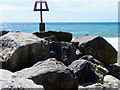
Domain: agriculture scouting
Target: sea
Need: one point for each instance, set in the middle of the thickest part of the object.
(108, 30)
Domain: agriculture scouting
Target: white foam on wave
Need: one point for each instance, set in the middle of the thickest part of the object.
(113, 42)
(9, 29)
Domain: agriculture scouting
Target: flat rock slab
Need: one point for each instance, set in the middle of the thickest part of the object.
(52, 74)
(61, 36)
(20, 50)
(98, 47)
(8, 81)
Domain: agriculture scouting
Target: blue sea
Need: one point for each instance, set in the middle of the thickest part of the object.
(77, 29)
(108, 30)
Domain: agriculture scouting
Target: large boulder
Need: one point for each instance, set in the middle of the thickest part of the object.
(83, 70)
(98, 47)
(63, 51)
(52, 74)
(8, 81)
(61, 36)
(21, 50)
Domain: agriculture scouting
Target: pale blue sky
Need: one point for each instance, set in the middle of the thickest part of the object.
(60, 11)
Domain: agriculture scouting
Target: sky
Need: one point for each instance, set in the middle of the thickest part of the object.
(60, 11)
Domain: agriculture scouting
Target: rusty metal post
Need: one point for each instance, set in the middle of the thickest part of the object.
(42, 27)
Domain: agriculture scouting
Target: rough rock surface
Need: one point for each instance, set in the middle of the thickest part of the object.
(98, 86)
(91, 85)
(20, 50)
(63, 51)
(78, 54)
(9, 81)
(111, 82)
(51, 38)
(61, 36)
(112, 68)
(101, 70)
(3, 33)
(91, 59)
(116, 74)
(98, 47)
(83, 71)
(52, 74)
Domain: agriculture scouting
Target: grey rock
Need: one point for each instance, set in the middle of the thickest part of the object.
(51, 38)
(96, 65)
(101, 70)
(98, 47)
(99, 86)
(116, 74)
(111, 82)
(78, 54)
(83, 70)
(87, 84)
(3, 33)
(113, 68)
(8, 81)
(92, 59)
(96, 86)
(21, 50)
(61, 36)
(63, 51)
(52, 74)
(91, 86)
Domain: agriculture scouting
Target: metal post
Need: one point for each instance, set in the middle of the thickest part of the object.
(41, 25)
(41, 13)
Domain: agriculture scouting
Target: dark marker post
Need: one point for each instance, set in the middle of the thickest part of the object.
(41, 25)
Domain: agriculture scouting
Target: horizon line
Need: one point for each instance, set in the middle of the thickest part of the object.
(63, 22)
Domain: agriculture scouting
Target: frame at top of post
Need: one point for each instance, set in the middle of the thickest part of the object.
(35, 7)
